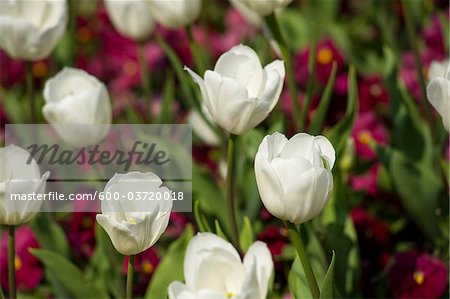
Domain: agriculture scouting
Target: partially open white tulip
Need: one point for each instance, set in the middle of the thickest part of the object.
(264, 7)
(240, 93)
(73, 100)
(294, 176)
(134, 225)
(131, 18)
(175, 13)
(437, 69)
(18, 178)
(213, 269)
(30, 29)
(438, 93)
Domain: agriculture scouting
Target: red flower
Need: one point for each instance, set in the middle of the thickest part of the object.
(417, 276)
(28, 269)
(367, 125)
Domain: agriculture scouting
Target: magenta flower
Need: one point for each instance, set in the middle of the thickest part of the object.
(415, 275)
(372, 94)
(368, 126)
(367, 182)
(29, 271)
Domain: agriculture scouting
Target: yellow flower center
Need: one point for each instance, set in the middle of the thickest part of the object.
(375, 90)
(419, 277)
(147, 267)
(130, 68)
(365, 137)
(324, 56)
(40, 69)
(131, 220)
(84, 35)
(230, 294)
(17, 262)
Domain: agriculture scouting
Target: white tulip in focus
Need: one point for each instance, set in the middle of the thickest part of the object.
(77, 105)
(131, 18)
(18, 178)
(133, 224)
(30, 29)
(294, 176)
(201, 127)
(175, 13)
(213, 269)
(438, 93)
(264, 7)
(240, 93)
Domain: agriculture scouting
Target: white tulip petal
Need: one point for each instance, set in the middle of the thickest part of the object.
(272, 145)
(205, 254)
(175, 13)
(326, 150)
(438, 93)
(258, 266)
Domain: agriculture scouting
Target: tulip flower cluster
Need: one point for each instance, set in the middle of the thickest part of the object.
(319, 159)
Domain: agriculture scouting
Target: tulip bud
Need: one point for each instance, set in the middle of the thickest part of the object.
(294, 176)
(73, 97)
(438, 93)
(132, 231)
(239, 93)
(30, 29)
(213, 269)
(19, 178)
(264, 7)
(131, 18)
(175, 13)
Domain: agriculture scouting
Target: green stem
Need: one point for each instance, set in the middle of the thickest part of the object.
(231, 163)
(11, 264)
(30, 92)
(310, 84)
(145, 78)
(196, 51)
(274, 28)
(412, 36)
(129, 291)
(72, 30)
(296, 239)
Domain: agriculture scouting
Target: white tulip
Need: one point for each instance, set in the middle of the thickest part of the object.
(251, 16)
(240, 93)
(175, 13)
(437, 69)
(438, 93)
(77, 105)
(30, 29)
(131, 18)
(294, 176)
(201, 127)
(19, 178)
(134, 224)
(213, 269)
(263, 7)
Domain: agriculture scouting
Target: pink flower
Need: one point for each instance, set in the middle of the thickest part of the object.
(367, 125)
(13, 71)
(372, 94)
(415, 275)
(28, 269)
(366, 182)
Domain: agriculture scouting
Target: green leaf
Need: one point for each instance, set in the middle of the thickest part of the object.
(49, 233)
(67, 275)
(200, 219)
(246, 236)
(219, 230)
(327, 289)
(171, 267)
(339, 134)
(319, 115)
(168, 95)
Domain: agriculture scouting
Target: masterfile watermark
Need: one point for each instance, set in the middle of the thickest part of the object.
(80, 174)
